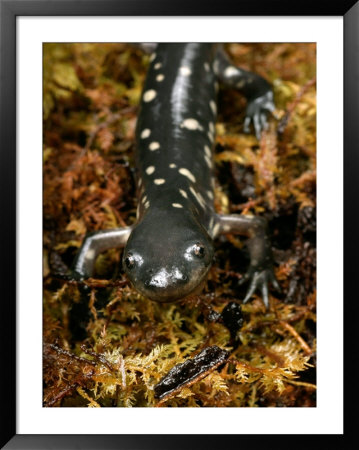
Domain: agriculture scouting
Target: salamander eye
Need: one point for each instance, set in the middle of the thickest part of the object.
(198, 250)
(130, 261)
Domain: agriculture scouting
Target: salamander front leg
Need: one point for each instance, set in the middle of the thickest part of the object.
(260, 271)
(256, 89)
(95, 243)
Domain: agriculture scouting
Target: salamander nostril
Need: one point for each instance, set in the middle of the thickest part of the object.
(184, 277)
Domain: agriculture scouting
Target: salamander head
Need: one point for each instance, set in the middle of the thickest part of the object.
(167, 260)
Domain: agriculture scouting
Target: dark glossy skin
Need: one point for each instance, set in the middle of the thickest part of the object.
(169, 251)
(191, 370)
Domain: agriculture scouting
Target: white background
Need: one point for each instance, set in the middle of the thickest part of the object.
(327, 416)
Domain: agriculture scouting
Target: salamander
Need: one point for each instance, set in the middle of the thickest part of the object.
(169, 251)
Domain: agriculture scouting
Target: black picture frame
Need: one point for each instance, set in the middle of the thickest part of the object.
(9, 10)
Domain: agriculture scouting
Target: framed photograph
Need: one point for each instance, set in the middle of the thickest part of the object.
(116, 118)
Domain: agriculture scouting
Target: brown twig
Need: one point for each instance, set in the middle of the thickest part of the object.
(296, 335)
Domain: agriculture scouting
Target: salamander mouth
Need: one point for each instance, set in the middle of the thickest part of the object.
(170, 286)
(171, 297)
